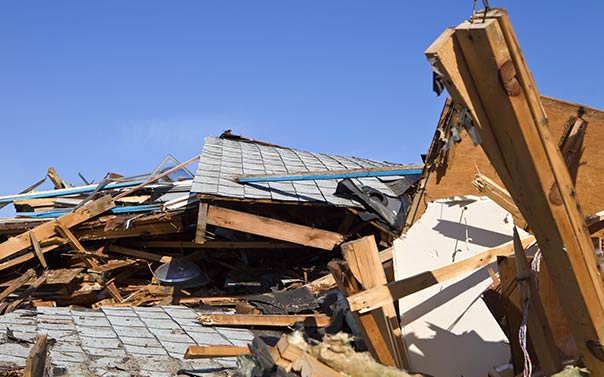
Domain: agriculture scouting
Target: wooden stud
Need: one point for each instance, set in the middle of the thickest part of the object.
(271, 320)
(202, 221)
(277, 229)
(208, 352)
(140, 254)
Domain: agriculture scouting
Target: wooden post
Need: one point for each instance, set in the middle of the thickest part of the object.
(537, 324)
(380, 327)
(485, 70)
(202, 221)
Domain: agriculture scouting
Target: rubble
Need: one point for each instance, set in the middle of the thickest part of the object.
(372, 268)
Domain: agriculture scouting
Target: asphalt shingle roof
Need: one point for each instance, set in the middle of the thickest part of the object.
(224, 160)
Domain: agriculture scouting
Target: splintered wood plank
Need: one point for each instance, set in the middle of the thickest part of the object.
(271, 228)
(375, 297)
(73, 240)
(364, 262)
(202, 221)
(17, 283)
(36, 361)
(214, 244)
(16, 244)
(499, 195)
(208, 352)
(140, 254)
(272, 320)
(520, 146)
(112, 265)
(37, 249)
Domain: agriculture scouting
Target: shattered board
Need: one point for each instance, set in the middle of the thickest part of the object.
(448, 329)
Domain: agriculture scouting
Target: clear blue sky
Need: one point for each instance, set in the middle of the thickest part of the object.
(98, 86)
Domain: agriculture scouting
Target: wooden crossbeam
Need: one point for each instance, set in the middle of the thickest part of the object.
(272, 228)
(272, 320)
(208, 352)
(37, 249)
(484, 69)
(375, 297)
(140, 254)
(36, 361)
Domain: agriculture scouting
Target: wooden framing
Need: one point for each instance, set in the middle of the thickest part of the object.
(276, 229)
(375, 297)
(208, 352)
(202, 220)
(36, 361)
(269, 320)
(379, 328)
(16, 244)
(484, 69)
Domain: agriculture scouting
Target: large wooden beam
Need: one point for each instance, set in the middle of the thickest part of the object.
(272, 320)
(380, 328)
(484, 68)
(271, 228)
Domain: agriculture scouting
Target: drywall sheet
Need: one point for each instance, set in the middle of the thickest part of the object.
(447, 327)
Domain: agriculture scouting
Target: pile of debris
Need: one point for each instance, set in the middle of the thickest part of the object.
(380, 268)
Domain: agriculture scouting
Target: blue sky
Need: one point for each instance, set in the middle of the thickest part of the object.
(99, 86)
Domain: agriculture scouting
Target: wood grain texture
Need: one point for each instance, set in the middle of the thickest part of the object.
(276, 229)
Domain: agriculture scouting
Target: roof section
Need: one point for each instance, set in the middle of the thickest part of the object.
(223, 160)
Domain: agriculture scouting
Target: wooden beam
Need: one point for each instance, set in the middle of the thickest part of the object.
(537, 323)
(373, 298)
(271, 228)
(506, 108)
(73, 240)
(16, 244)
(202, 221)
(214, 245)
(363, 260)
(56, 179)
(270, 320)
(499, 195)
(140, 254)
(36, 361)
(208, 352)
(17, 283)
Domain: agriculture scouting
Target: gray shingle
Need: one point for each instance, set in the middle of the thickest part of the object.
(222, 161)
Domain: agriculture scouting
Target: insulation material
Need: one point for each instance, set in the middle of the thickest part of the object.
(447, 327)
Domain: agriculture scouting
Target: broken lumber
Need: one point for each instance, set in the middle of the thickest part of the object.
(272, 228)
(36, 361)
(272, 320)
(484, 69)
(375, 297)
(16, 244)
(208, 352)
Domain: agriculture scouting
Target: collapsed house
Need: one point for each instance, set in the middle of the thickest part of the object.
(480, 261)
